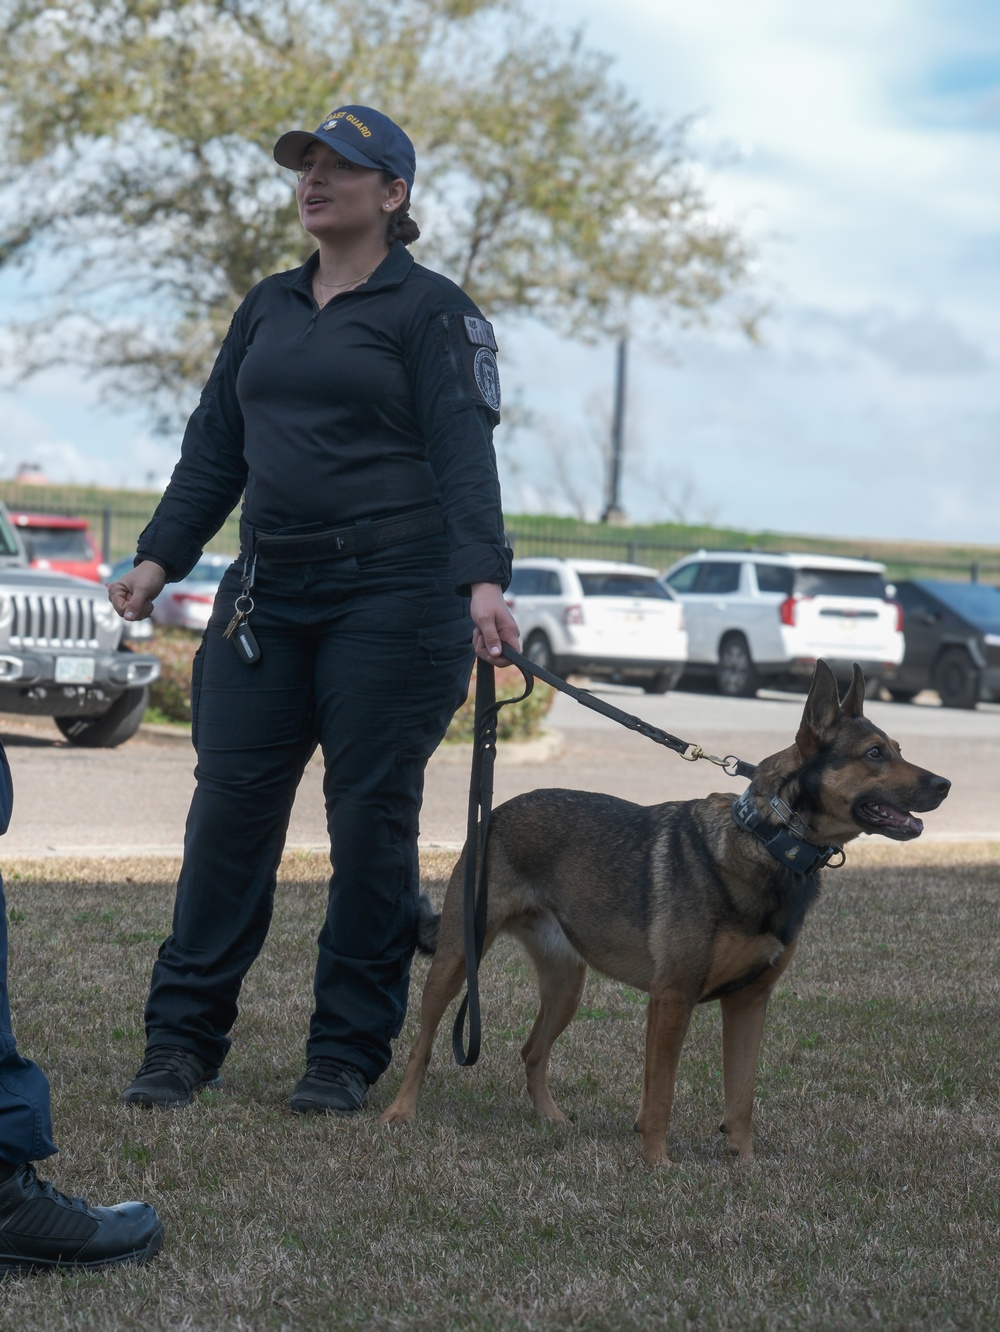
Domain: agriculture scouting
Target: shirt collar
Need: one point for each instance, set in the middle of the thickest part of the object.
(390, 272)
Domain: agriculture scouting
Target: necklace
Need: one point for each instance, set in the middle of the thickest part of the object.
(349, 283)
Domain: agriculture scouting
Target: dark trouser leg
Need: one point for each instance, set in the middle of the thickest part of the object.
(254, 732)
(388, 680)
(25, 1119)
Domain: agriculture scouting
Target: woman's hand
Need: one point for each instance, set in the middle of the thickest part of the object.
(134, 593)
(495, 625)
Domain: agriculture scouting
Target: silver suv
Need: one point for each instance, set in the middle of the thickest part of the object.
(600, 618)
(62, 655)
(755, 617)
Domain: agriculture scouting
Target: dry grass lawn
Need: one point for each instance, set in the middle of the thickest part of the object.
(874, 1199)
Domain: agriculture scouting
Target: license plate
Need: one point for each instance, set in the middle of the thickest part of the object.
(74, 670)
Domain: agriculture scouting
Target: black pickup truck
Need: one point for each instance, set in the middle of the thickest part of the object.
(61, 652)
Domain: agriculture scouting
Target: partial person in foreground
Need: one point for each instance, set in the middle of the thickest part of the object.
(352, 405)
(39, 1226)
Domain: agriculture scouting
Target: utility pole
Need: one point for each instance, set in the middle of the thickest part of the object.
(613, 512)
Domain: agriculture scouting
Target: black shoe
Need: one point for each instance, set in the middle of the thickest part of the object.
(41, 1227)
(169, 1076)
(329, 1088)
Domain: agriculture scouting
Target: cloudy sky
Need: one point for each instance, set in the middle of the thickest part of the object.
(859, 144)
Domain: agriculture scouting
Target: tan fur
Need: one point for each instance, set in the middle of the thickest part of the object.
(675, 899)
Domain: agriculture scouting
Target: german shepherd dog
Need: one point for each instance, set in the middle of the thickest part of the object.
(689, 900)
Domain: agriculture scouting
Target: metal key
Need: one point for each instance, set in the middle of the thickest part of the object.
(235, 623)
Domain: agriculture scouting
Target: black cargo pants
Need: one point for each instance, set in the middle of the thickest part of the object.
(367, 656)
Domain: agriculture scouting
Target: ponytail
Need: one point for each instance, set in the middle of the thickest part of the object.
(402, 226)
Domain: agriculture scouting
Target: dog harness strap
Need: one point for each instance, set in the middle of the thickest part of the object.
(475, 893)
(734, 767)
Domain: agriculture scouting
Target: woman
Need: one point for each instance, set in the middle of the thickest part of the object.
(352, 404)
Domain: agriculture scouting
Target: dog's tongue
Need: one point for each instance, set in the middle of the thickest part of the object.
(899, 818)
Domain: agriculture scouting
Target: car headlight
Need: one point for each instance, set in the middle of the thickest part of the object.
(105, 615)
(137, 631)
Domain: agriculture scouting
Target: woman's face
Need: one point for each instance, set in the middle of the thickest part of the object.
(339, 201)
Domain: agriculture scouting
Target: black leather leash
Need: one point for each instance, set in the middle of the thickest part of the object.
(475, 892)
(474, 895)
(731, 765)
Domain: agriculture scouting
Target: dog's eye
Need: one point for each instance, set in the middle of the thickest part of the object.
(875, 752)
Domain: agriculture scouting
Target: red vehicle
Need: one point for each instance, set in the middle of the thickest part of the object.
(63, 544)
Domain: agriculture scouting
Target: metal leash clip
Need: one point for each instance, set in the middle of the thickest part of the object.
(729, 764)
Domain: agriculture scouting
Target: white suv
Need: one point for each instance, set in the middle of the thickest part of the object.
(753, 617)
(600, 618)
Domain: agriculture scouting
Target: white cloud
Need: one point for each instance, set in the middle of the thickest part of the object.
(874, 157)
(56, 421)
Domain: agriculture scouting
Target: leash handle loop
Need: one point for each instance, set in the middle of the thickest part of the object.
(475, 894)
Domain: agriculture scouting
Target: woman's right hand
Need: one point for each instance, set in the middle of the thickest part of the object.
(494, 623)
(133, 594)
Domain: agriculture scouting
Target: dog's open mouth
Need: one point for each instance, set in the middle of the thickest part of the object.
(889, 821)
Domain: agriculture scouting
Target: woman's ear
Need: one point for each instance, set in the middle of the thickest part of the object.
(395, 196)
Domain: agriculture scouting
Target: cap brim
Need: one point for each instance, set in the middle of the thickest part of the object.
(290, 147)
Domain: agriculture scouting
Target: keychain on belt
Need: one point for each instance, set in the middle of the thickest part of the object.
(238, 629)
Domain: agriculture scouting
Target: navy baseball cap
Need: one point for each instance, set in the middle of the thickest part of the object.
(359, 133)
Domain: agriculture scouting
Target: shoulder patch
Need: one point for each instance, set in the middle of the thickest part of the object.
(479, 331)
(487, 376)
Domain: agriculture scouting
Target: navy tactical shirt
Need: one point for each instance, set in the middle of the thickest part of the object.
(383, 400)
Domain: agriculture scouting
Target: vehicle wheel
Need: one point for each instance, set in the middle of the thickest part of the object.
(539, 650)
(111, 728)
(658, 684)
(956, 679)
(873, 689)
(736, 675)
(902, 695)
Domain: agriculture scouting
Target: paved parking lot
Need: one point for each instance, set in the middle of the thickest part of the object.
(134, 799)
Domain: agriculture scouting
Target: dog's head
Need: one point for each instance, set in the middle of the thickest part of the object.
(844, 775)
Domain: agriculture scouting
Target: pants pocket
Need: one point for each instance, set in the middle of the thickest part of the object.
(448, 643)
(197, 666)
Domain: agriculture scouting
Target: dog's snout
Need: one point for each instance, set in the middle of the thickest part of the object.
(940, 786)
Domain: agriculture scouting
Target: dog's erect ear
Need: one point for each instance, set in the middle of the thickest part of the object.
(821, 712)
(854, 699)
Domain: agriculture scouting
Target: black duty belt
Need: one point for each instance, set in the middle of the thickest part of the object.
(365, 535)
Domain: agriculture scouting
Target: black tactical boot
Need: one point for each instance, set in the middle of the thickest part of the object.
(169, 1077)
(41, 1227)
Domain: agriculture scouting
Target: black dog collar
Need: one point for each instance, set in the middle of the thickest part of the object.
(790, 845)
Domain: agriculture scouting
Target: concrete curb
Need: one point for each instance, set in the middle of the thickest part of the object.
(161, 731)
(540, 749)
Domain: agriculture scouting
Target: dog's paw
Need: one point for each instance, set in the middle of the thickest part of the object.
(397, 1116)
(658, 1159)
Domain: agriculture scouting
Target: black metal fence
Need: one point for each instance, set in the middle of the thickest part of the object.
(117, 518)
(638, 547)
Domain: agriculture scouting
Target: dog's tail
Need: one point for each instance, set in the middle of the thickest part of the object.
(428, 922)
